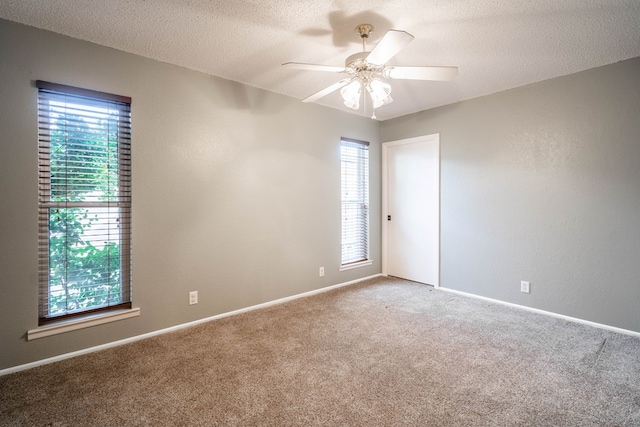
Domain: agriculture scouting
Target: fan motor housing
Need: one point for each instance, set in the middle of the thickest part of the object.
(355, 60)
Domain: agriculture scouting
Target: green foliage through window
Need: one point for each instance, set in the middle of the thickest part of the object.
(85, 201)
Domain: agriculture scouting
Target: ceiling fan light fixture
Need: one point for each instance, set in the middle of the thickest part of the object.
(366, 68)
(351, 94)
(380, 92)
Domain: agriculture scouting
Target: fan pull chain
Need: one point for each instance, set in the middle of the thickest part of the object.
(364, 101)
(373, 110)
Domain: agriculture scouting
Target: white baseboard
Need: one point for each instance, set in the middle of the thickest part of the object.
(547, 313)
(291, 298)
(175, 328)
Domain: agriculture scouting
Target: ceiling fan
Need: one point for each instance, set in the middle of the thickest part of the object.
(366, 69)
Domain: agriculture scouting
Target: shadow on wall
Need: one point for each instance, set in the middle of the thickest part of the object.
(235, 96)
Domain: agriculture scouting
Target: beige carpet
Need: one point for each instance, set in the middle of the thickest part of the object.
(384, 352)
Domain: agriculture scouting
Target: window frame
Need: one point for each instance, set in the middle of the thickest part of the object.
(120, 202)
(362, 224)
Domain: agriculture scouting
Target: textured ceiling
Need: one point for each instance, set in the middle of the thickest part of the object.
(497, 44)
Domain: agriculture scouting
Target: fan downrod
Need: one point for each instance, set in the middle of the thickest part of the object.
(363, 30)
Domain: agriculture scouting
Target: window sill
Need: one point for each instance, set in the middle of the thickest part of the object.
(85, 322)
(355, 265)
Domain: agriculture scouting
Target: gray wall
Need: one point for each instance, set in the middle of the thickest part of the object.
(542, 183)
(236, 190)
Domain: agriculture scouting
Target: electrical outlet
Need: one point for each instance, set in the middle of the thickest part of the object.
(193, 297)
(321, 272)
(524, 287)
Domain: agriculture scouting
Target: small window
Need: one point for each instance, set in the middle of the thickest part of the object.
(354, 157)
(84, 201)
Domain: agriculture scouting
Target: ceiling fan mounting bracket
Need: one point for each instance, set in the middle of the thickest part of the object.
(363, 30)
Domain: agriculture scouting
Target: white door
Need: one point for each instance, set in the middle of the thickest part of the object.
(411, 223)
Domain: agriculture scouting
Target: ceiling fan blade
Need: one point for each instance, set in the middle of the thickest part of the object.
(327, 91)
(389, 46)
(314, 67)
(421, 73)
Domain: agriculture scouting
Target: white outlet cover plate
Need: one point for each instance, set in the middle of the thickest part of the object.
(524, 287)
(193, 297)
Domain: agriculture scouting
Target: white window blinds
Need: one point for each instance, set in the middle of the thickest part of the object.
(84, 201)
(354, 157)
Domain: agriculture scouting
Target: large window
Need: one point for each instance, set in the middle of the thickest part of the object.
(354, 157)
(84, 201)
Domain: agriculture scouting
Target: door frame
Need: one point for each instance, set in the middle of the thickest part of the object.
(435, 137)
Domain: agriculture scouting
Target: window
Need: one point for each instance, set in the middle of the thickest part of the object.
(84, 237)
(354, 157)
